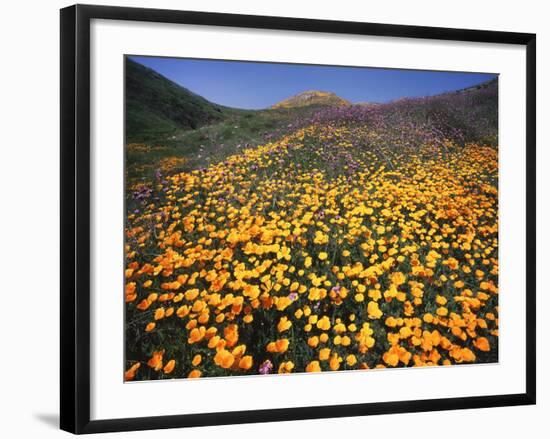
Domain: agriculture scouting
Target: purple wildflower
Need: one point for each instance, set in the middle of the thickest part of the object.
(266, 367)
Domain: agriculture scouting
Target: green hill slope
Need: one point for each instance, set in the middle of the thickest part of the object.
(156, 106)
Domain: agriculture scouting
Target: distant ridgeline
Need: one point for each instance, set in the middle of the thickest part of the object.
(312, 97)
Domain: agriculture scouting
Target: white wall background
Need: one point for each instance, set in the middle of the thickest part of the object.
(29, 187)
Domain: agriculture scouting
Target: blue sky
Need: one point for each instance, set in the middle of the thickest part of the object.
(254, 85)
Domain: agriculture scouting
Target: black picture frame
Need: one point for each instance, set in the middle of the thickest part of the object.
(75, 217)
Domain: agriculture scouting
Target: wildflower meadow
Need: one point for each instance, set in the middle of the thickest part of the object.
(348, 237)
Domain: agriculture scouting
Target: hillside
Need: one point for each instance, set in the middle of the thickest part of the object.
(312, 97)
(461, 116)
(156, 106)
(467, 115)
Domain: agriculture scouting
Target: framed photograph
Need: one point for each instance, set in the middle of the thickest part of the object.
(272, 218)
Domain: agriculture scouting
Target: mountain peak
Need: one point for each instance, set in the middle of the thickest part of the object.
(312, 97)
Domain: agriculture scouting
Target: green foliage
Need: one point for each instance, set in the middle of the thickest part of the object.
(157, 107)
(209, 143)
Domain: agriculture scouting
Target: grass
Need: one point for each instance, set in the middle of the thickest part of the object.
(207, 144)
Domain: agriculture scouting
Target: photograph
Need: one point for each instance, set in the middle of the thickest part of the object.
(271, 220)
(290, 218)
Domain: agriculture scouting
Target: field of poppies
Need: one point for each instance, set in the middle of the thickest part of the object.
(360, 237)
